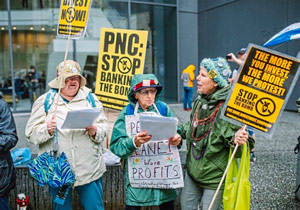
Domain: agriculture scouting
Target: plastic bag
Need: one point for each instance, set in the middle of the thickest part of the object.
(110, 158)
(237, 186)
(21, 156)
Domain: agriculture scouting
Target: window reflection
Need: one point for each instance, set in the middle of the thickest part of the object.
(160, 22)
(35, 43)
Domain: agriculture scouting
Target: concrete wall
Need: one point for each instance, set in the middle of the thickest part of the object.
(228, 25)
(188, 39)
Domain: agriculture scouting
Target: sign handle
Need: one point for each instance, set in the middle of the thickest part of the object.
(67, 49)
(223, 177)
(59, 89)
(225, 172)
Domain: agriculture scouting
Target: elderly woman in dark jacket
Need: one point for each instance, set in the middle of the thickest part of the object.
(8, 139)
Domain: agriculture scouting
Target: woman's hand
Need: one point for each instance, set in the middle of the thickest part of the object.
(51, 126)
(141, 138)
(91, 131)
(241, 136)
(175, 140)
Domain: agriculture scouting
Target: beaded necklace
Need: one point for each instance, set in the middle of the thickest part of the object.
(199, 122)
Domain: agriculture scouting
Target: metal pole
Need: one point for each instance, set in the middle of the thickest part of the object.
(11, 57)
(178, 51)
(129, 13)
(74, 50)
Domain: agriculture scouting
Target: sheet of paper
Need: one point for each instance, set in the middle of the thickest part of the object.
(161, 128)
(79, 119)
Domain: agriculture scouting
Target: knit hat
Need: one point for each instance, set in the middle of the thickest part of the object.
(218, 70)
(72, 68)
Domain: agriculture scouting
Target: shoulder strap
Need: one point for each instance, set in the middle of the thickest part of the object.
(91, 99)
(129, 109)
(161, 108)
(50, 99)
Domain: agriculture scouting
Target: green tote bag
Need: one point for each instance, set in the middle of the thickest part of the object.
(237, 186)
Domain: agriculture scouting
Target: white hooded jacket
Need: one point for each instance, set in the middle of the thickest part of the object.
(83, 153)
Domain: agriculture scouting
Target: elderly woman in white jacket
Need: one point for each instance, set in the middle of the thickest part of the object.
(83, 147)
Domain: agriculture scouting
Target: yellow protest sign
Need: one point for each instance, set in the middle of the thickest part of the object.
(265, 82)
(121, 56)
(73, 18)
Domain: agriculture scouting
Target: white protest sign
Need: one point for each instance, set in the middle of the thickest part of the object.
(132, 124)
(158, 126)
(156, 164)
(79, 119)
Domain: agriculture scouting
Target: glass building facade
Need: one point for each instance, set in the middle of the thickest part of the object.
(180, 33)
(35, 43)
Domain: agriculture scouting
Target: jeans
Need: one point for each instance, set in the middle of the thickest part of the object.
(90, 196)
(192, 195)
(4, 202)
(34, 93)
(164, 206)
(187, 97)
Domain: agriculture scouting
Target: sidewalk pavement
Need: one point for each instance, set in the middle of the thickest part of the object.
(272, 175)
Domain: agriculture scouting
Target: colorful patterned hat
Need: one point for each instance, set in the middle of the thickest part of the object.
(65, 70)
(218, 70)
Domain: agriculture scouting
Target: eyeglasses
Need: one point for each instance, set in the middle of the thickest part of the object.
(76, 78)
(146, 92)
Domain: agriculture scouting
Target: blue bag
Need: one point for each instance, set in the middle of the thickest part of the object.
(21, 156)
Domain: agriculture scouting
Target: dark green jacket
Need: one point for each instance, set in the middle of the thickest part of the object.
(122, 145)
(208, 170)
